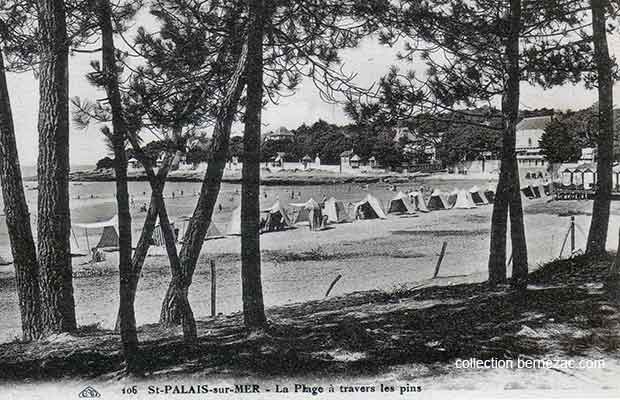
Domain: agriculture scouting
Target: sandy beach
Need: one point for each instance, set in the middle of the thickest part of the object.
(298, 264)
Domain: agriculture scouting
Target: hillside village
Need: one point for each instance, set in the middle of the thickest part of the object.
(324, 147)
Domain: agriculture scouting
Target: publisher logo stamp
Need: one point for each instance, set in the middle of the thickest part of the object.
(89, 392)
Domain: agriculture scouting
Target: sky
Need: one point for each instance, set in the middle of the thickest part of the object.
(369, 61)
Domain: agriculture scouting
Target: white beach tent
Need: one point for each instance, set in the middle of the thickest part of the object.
(400, 204)
(277, 210)
(369, 208)
(452, 197)
(417, 200)
(234, 225)
(213, 231)
(437, 201)
(335, 210)
(109, 235)
(478, 196)
(490, 193)
(464, 200)
(310, 212)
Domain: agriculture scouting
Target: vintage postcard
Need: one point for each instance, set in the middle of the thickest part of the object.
(274, 199)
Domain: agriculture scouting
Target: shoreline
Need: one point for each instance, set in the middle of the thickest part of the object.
(280, 178)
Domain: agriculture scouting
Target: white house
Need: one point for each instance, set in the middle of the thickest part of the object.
(532, 163)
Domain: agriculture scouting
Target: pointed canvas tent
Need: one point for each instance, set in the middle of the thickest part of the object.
(490, 194)
(477, 195)
(234, 225)
(527, 192)
(310, 212)
(417, 200)
(158, 235)
(452, 197)
(276, 217)
(438, 201)
(109, 236)
(213, 232)
(335, 210)
(464, 200)
(400, 204)
(108, 239)
(369, 208)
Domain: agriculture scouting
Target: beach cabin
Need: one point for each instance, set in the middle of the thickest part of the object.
(349, 160)
(372, 162)
(306, 161)
(616, 177)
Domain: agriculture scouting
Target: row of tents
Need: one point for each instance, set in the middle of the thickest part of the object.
(537, 191)
(460, 199)
(317, 216)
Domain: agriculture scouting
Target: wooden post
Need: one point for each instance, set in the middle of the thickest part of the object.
(213, 288)
(87, 243)
(572, 234)
(441, 255)
(332, 285)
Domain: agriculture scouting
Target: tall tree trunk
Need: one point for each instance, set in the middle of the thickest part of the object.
(597, 236)
(511, 112)
(18, 219)
(54, 220)
(127, 314)
(172, 311)
(157, 183)
(253, 307)
(499, 219)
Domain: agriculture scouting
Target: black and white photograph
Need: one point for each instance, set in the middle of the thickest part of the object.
(330, 199)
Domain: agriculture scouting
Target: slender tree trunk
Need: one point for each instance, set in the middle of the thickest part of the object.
(253, 308)
(499, 220)
(172, 311)
(157, 183)
(127, 314)
(54, 221)
(18, 219)
(511, 111)
(597, 236)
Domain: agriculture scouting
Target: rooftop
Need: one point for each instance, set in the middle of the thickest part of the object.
(534, 123)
